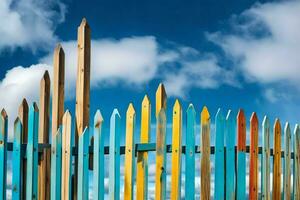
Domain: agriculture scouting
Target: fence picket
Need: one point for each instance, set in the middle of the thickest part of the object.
(142, 157)
(230, 156)
(241, 156)
(98, 157)
(287, 162)
(160, 180)
(56, 151)
(83, 168)
(296, 175)
(176, 152)
(114, 156)
(129, 153)
(190, 153)
(205, 151)
(66, 163)
(219, 156)
(32, 153)
(277, 162)
(17, 162)
(253, 171)
(3, 154)
(265, 169)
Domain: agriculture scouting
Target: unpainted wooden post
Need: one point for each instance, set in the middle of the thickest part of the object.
(265, 169)
(44, 165)
(142, 157)
(219, 156)
(23, 115)
(129, 154)
(3, 154)
(176, 151)
(276, 195)
(205, 154)
(241, 155)
(253, 171)
(82, 108)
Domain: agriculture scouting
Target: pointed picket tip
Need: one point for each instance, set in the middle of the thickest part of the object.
(204, 115)
(34, 107)
(277, 124)
(297, 129)
(230, 115)
(24, 105)
(219, 115)
(84, 23)
(161, 90)
(17, 120)
(3, 113)
(146, 101)
(177, 105)
(241, 115)
(115, 113)
(287, 127)
(46, 78)
(67, 114)
(191, 109)
(85, 131)
(98, 119)
(254, 118)
(266, 121)
(130, 110)
(59, 49)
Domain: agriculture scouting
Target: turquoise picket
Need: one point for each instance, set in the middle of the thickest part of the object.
(190, 153)
(3, 154)
(56, 153)
(219, 156)
(230, 135)
(83, 165)
(98, 158)
(296, 175)
(114, 156)
(32, 153)
(17, 158)
(265, 167)
(287, 163)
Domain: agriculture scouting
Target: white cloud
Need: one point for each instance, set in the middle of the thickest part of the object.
(266, 44)
(29, 23)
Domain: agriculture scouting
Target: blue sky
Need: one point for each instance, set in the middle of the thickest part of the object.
(224, 54)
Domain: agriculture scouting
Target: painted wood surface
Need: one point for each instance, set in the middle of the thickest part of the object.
(265, 169)
(23, 115)
(114, 156)
(287, 163)
(32, 153)
(176, 151)
(3, 154)
(296, 176)
(83, 168)
(241, 156)
(17, 161)
(98, 169)
(253, 170)
(230, 155)
(66, 163)
(219, 156)
(44, 164)
(56, 154)
(160, 176)
(205, 154)
(142, 157)
(129, 153)
(190, 153)
(276, 195)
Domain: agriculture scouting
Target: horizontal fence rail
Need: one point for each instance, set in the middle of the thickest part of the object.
(56, 163)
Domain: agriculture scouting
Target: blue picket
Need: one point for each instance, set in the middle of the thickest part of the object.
(3, 154)
(114, 156)
(265, 167)
(56, 153)
(230, 136)
(32, 153)
(98, 158)
(190, 153)
(219, 156)
(83, 165)
(17, 160)
(296, 175)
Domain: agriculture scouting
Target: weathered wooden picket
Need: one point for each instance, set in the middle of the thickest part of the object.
(60, 169)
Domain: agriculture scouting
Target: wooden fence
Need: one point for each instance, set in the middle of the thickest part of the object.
(60, 169)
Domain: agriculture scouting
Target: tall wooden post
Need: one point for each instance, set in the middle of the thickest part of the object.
(23, 115)
(44, 165)
(58, 88)
(82, 109)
